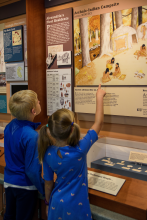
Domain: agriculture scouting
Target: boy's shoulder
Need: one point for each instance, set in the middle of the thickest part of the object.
(29, 132)
(26, 128)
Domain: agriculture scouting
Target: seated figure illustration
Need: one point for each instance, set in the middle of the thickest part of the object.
(117, 71)
(142, 52)
(109, 63)
(106, 77)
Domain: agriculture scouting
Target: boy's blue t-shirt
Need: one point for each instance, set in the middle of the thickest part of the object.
(21, 155)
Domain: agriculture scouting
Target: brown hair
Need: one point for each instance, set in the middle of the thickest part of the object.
(61, 129)
(21, 104)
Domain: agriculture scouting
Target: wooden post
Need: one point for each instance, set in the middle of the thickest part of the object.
(35, 14)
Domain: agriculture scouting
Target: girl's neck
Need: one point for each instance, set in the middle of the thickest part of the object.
(61, 143)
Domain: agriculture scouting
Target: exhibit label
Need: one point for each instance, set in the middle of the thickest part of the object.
(105, 183)
(58, 90)
(131, 101)
(138, 157)
(101, 7)
(58, 36)
(15, 71)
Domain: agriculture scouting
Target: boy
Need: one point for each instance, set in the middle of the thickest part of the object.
(22, 175)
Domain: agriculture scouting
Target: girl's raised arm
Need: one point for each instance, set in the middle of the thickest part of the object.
(99, 116)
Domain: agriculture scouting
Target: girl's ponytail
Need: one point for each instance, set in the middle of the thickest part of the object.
(74, 136)
(43, 142)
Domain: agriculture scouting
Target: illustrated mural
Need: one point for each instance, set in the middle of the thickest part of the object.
(111, 48)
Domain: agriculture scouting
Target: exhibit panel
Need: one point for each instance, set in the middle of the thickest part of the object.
(13, 44)
(110, 49)
(11, 49)
(84, 59)
(59, 60)
(110, 36)
(131, 102)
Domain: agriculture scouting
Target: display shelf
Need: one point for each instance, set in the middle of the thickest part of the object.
(129, 169)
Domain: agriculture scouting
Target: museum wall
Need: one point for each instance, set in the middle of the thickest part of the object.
(122, 127)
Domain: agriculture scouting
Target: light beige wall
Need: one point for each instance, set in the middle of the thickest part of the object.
(71, 5)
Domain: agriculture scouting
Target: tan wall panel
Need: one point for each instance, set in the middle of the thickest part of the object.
(72, 5)
(14, 19)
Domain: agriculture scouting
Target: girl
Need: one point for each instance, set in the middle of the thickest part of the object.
(62, 152)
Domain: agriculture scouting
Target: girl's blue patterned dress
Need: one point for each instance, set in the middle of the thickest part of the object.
(69, 199)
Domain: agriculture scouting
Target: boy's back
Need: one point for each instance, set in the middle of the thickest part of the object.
(22, 175)
(20, 142)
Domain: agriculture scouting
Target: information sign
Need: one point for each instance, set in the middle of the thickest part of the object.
(13, 47)
(138, 157)
(58, 90)
(15, 71)
(104, 183)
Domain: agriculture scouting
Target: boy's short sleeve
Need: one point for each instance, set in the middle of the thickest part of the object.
(48, 173)
(90, 138)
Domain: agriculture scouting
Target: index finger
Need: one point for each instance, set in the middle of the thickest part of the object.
(99, 86)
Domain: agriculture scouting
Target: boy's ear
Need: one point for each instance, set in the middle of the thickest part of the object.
(33, 111)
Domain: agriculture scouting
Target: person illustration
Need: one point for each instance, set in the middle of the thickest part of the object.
(61, 151)
(144, 31)
(117, 71)
(109, 63)
(106, 77)
(50, 59)
(142, 52)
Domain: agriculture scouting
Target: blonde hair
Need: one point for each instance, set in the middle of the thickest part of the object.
(21, 104)
(61, 128)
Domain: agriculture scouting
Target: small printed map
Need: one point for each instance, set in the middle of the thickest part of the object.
(16, 38)
(19, 69)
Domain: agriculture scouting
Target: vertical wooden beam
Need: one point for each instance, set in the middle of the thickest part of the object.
(35, 14)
